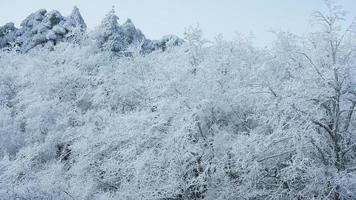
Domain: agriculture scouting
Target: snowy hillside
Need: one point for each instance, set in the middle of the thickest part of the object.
(109, 114)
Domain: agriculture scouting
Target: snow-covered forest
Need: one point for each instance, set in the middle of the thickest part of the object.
(110, 114)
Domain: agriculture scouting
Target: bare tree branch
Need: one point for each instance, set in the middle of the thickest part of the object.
(274, 156)
(348, 149)
(313, 64)
(349, 116)
(322, 155)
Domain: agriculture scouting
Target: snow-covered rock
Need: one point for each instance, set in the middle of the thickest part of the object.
(75, 19)
(60, 30)
(169, 41)
(132, 34)
(7, 34)
(40, 28)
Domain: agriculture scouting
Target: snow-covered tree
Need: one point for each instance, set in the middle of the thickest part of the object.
(185, 121)
(110, 36)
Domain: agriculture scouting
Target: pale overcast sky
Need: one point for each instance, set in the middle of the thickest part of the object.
(160, 17)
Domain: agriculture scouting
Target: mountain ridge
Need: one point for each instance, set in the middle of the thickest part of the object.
(47, 28)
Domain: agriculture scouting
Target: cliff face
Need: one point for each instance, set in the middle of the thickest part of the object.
(46, 29)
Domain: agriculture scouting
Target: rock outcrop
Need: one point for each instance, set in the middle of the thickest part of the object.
(7, 35)
(41, 28)
(46, 29)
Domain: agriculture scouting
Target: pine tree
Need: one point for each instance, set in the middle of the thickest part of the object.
(111, 37)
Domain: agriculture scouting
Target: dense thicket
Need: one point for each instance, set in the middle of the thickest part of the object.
(204, 120)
